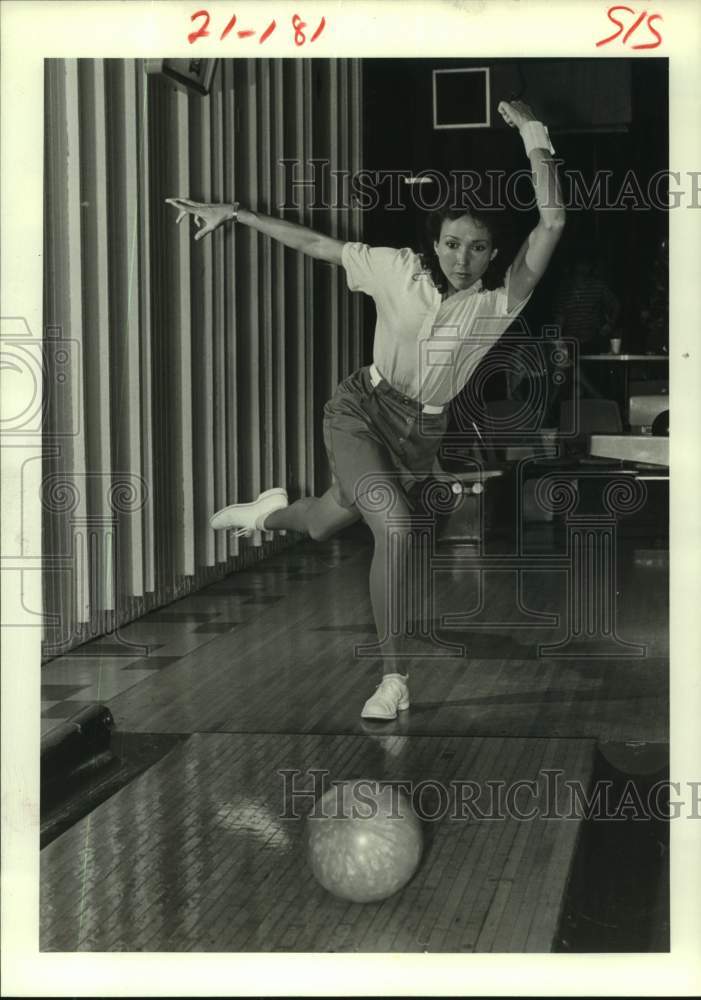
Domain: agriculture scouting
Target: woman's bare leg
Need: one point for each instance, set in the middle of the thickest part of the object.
(389, 579)
(319, 517)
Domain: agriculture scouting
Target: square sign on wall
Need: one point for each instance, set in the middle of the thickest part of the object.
(461, 98)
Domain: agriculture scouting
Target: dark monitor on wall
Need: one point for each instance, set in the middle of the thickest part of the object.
(194, 75)
(461, 98)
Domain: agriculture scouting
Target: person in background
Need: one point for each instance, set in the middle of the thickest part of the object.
(654, 314)
(587, 311)
(585, 307)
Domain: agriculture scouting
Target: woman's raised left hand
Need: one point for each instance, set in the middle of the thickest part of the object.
(515, 113)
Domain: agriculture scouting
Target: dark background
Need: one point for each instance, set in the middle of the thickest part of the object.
(603, 115)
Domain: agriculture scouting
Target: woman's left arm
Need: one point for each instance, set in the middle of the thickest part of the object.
(534, 255)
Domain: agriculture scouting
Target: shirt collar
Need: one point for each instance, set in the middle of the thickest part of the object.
(472, 290)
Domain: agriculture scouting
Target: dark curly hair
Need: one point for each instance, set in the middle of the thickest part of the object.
(493, 220)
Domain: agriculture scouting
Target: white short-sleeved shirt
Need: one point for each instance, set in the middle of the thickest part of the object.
(425, 347)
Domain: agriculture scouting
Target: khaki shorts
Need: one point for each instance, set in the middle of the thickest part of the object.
(373, 434)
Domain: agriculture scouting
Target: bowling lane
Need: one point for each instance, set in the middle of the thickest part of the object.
(203, 852)
(197, 853)
(293, 667)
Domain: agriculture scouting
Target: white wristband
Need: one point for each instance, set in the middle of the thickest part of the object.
(535, 136)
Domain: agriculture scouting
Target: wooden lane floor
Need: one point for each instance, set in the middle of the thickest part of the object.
(281, 656)
(260, 672)
(202, 852)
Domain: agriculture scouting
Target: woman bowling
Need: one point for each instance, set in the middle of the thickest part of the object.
(384, 424)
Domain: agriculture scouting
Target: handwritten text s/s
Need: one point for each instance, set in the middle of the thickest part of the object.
(639, 25)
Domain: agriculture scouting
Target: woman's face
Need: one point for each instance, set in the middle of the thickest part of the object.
(464, 250)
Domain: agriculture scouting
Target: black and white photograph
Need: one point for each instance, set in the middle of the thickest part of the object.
(349, 564)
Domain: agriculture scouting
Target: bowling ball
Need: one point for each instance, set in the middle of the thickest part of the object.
(364, 840)
(660, 425)
(636, 757)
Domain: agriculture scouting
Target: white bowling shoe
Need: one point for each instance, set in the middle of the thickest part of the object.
(392, 696)
(246, 518)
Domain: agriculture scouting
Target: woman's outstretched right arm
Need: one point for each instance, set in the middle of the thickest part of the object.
(210, 217)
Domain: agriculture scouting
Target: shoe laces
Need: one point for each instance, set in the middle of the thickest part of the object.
(241, 532)
(393, 679)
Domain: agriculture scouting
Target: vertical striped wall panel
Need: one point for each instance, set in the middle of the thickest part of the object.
(198, 369)
(96, 314)
(182, 334)
(66, 597)
(311, 425)
(146, 324)
(200, 144)
(231, 139)
(131, 335)
(268, 332)
(220, 279)
(301, 269)
(354, 99)
(280, 400)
